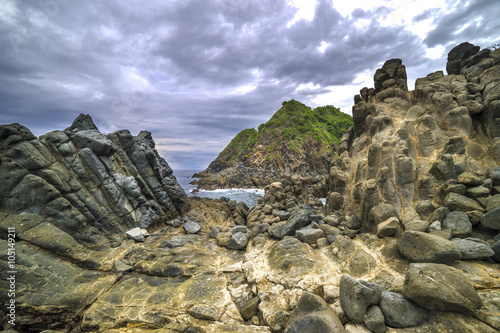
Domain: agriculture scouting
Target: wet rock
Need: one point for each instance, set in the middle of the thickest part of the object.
(422, 247)
(356, 296)
(400, 312)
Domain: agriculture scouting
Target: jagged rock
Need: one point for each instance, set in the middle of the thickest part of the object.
(214, 232)
(459, 223)
(422, 247)
(356, 296)
(283, 215)
(313, 314)
(469, 179)
(309, 236)
(238, 241)
(440, 287)
(223, 238)
(120, 267)
(400, 312)
(473, 248)
(191, 227)
(374, 319)
(491, 219)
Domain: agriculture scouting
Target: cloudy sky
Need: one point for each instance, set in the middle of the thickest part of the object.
(196, 72)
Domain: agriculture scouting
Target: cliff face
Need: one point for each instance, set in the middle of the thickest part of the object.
(297, 142)
(411, 149)
(88, 183)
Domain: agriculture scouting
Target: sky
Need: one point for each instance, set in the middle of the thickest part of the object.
(196, 72)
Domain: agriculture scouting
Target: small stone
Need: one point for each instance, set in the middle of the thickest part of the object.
(330, 239)
(493, 203)
(214, 232)
(316, 217)
(120, 267)
(223, 238)
(322, 242)
(238, 241)
(458, 202)
(191, 227)
(496, 249)
(250, 308)
(434, 226)
(239, 228)
(332, 220)
(331, 293)
(283, 215)
(374, 319)
(135, 234)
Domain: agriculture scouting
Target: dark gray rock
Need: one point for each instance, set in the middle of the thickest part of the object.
(313, 314)
(309, 236)
(400, 312)
(120, 267)
(356, 296)
(424, 208)
(423, 247)
(495, 175)
(458, 57)
(374, 320)
(283, 215)
(496, 249)
(316, 218)
(478, 192)
(381, 213)
(191, 227)
(440, 287)
(99, 143)
(459, 223)
(491, 219)
(353, 222)
(473, 248)
(469, 179)
(438, 215)
(238, 241)
(299, 219)
(214, 232)
(330, 239)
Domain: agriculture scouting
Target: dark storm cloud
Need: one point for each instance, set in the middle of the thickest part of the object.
(196, 72)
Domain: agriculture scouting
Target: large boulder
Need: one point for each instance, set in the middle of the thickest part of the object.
(440, 287)
(313, 314)
(419, 246)
(356, 296)
(455, 201)
(459, 56)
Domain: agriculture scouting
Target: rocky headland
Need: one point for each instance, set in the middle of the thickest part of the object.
(297, 145)
(105, 240)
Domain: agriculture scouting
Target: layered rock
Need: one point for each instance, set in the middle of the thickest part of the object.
(87, 183)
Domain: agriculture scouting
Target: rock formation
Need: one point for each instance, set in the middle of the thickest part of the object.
(296, 144)
(104, 239)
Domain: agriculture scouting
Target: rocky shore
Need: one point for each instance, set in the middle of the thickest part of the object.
(105, 240)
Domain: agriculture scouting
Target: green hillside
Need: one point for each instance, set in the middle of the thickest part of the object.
(294, 131)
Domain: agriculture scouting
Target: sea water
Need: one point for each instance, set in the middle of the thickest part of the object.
(248, 196)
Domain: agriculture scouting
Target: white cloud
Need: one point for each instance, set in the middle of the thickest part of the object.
(306, 10)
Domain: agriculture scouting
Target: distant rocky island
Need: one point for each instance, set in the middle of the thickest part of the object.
(297, 144)
(96, 235)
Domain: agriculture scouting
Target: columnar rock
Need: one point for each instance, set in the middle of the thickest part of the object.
(408, 149)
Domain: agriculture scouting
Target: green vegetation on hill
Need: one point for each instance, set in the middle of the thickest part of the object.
(295, 129)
